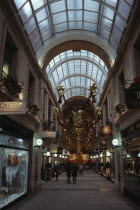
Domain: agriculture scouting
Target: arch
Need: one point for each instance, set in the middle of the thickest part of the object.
(72, 59)
(76, 41)
(73, 75)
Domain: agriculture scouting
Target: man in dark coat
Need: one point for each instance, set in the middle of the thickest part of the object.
(74, 173)
(68, 169)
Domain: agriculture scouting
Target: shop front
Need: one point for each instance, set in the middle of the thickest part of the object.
(14, 159)
(131, 161)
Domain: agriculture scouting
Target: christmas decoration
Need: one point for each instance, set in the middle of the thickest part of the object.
(33, 108)
(120, 109)
(12, 84)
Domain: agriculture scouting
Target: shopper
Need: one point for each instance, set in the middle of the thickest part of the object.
(74, 173)
(56, 171)
(108, 166)
(68, 169)
(80, 169)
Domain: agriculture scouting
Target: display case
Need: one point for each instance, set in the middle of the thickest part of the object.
(13, 171)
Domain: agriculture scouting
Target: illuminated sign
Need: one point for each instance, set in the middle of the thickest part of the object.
(49, 134)
(53, 148)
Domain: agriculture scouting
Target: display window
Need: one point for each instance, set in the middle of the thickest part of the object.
(13, 174)
(131, 167)
(131, 156)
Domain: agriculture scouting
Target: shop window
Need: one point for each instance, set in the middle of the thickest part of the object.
(31, 90)
(10, 58)
(137, 56)
(13, 169)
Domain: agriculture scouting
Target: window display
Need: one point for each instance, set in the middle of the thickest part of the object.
(13, 174)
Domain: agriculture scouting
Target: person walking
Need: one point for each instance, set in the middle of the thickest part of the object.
(80, 169)
(108, 166)
(56, 171)
(74, 173)
(68, 169)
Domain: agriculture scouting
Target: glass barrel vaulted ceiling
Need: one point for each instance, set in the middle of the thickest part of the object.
(44, 19)
(76, 71)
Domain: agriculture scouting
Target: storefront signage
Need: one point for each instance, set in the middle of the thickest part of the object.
(49, 134)
(133, 98)
(12, 107)
(53, 148)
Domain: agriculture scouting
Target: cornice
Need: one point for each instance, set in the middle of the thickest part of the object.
(14, 22)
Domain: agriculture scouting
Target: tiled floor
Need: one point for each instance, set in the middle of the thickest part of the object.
(91, 192)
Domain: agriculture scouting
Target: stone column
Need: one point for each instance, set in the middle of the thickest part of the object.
(36, 161)
(118, 161)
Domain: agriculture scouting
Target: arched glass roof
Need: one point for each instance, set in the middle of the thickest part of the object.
(44, 19)
(76, 71)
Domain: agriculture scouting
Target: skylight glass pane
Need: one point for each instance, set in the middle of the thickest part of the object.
(82, 81)
(42, 14)
(89, 71)
(88, 83)
(72, 81)
(31, 25)
(66, 73)
(76, 53)
(75, 25)
(67, 83)
(113, 3)
(57, 6)
(106, 23)
(69, 53)
(60, 27)
(114, 42)
(59, 18)
(130, 2)
(60, 74)
(96, 58)
(75, 15)
(57, 59)
(37, 3)
(124, 9)
(72, 4)
(107, 12)
(34, 35)
(90, 17)
(90, 27)
(117, 34)
(91, 5)
(19, 3)
(63, 55)
(119, 23)
(44, 25)
(71, 71)
(83, 53)
(104, 33)
(46, 35)
(37, 44)
(25, 12)
(52, 63)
